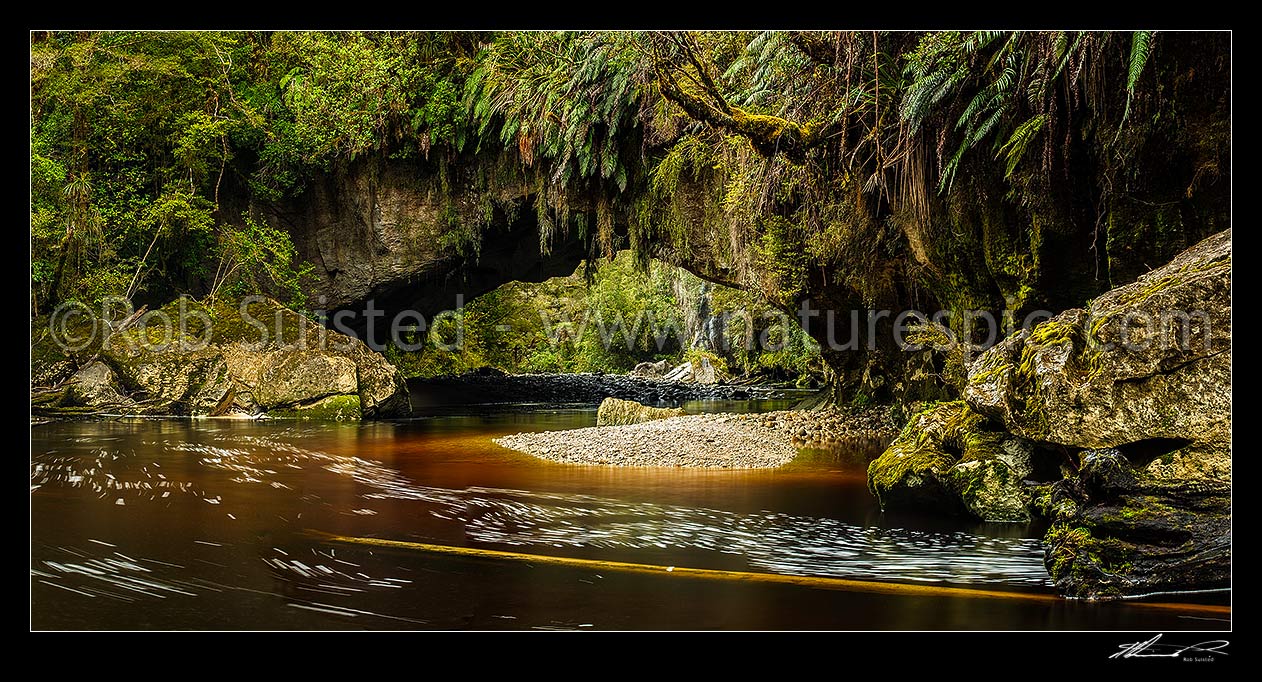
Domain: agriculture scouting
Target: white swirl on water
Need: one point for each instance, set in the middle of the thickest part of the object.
(769, 541)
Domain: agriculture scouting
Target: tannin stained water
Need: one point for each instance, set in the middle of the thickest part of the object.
(204, 524)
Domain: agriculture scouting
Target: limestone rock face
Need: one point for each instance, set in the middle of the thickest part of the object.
(615, 412)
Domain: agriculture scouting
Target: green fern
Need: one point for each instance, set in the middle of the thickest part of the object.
(1015, 147)
(1141, 46)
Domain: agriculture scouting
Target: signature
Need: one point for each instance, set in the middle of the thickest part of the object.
(1154, 649)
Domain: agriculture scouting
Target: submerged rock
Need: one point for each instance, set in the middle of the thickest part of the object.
(948, 459)
(615, 412)
(219, 359)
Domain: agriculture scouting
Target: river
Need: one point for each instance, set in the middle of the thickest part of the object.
(220, 524)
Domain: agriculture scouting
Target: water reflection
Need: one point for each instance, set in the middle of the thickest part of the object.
(204, 523)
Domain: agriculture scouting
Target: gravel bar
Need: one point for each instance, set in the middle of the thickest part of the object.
(714, 441)
(719, 441)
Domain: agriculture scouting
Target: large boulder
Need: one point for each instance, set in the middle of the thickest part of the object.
(1147, 360)
(1138, 387)
(615, 412)
(704, 372)
(1125, 528)
(651, 370)
(948, 459)
(701, 371)
(192, 358)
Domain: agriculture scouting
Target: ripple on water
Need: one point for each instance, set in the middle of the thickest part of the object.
(769, 541)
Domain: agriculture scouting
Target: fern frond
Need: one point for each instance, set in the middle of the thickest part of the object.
(1014, 149)
(1141, 46)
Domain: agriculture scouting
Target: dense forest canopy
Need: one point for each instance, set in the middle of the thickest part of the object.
(958, 170)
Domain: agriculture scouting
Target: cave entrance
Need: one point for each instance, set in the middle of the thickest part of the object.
(611, 319)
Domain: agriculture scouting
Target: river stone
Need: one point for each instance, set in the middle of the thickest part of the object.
(614, 412)
(96, 386)
(948, 459)
(697, 440)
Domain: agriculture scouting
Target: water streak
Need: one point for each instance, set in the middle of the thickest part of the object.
(769, 541)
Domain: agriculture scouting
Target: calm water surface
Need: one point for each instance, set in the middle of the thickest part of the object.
(204, 524)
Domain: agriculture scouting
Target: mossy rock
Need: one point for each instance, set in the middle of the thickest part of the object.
(948, 459)
(211, 358)
(615, 412)
(333, 408)
(1147, 360)
(1120, 529)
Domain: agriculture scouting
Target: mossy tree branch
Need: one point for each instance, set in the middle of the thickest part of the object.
(770, 135)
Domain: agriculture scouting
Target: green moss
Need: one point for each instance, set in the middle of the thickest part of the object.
(1077, 558)
(930, 446)
(1052, 333)
(1041, 501)
(992, 373)
(335, 408)
(262, 320)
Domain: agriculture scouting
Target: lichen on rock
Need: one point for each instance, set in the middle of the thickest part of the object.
(949, 459)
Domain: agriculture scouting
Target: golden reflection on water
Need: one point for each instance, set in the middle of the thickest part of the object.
(235, 531)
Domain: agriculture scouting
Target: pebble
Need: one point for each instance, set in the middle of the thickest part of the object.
(726, 441)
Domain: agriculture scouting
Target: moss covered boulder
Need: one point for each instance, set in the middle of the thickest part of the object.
(1124, 527)
(96, 386)
(1147, 360)
(208, 359)
(948, 459)
(1136, 387)
(615, 412)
